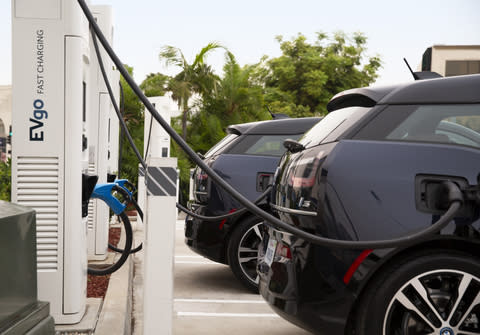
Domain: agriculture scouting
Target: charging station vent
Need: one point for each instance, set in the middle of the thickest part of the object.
(91, 213)
(37, 187)
(91, 204)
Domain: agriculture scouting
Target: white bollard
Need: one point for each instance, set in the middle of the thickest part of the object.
(160, 220)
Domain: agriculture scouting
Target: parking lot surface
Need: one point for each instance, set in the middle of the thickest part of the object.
(209, 300)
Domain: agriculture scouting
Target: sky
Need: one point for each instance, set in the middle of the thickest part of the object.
(394, 29)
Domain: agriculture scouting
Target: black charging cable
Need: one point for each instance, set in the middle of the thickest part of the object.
(149, 137)
(122, 113)
(112, 97)
(454, 206)
(124, 129)
(140, 246)
(224, 216)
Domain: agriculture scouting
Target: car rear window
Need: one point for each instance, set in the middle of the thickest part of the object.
(262, 145)
(217, 148)
(449, 124)
(332, 123)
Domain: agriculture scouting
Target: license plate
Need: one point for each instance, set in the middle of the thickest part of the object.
(270, 253)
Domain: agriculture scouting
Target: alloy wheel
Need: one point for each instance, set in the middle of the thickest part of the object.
(248, 252)
(440, 302)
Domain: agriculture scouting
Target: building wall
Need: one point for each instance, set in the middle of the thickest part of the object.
(443, 53)
(6, 107)
(5, 120)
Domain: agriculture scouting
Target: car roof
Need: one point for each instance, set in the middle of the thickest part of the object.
(459, 89)
(272, 127)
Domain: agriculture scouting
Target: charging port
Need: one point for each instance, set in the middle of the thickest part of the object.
(431, 195)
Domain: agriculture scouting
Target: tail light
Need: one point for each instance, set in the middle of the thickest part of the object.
(201, 184)
(202, 176)
(284, 251)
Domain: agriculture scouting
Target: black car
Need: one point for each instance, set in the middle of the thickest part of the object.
(246, 158)
(360, 175)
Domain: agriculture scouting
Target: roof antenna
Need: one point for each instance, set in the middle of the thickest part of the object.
(277, 116)
(413, 73)
(268, 109)
(422, 74)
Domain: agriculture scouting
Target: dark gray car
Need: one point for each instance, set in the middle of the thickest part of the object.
(246, 158)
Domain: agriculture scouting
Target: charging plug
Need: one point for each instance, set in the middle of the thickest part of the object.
(432, 195)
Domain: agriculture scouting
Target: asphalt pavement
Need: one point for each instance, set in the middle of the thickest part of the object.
(209, 300)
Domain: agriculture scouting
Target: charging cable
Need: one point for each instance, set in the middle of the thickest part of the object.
(224, 216)
(455, 194)
(131, 190)
(104, 192)
(130, 139)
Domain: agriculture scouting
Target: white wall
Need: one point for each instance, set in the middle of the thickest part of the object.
(6, 107)
(5, 116)
(440, 54)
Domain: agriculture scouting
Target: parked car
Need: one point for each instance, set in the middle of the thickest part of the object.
(246, 158)
(360, 175)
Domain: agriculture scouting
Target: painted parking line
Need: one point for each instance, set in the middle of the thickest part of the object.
(228, 315)
(193, 259)
(198, 262)
(220, 301)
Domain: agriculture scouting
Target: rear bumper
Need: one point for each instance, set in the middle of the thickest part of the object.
(300, 291)
(206, 238)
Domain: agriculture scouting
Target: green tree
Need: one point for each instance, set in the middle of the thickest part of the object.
(154, 85)
(237, 99)
(134, 118)
(303, 79)
(197, 77)
(5, 180)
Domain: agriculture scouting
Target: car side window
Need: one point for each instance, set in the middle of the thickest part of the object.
(221, 145)
(450, 124)
(262, 145)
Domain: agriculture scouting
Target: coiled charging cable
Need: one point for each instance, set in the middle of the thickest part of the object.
(104, 192)
(455, 194)
(131, 190)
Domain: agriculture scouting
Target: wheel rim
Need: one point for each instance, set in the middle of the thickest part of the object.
(440, 302)
(248, 252)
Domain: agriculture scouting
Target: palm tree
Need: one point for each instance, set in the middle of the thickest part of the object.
(196, 77)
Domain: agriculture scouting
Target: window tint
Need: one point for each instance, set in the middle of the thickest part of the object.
(451, 124)
(329, 123)
(221, 145)
(461, 67)
(262, 145)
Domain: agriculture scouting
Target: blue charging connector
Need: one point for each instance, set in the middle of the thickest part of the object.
(104, 192)
(123, 183)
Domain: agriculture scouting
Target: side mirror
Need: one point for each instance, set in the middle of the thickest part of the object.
(293, 146)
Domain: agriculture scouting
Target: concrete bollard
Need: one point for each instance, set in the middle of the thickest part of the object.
(160, 219)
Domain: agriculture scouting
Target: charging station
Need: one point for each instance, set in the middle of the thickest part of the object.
(157, 140)
(50, 96)
(113, 123)
(99, 133)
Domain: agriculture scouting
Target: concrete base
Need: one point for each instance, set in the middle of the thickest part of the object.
(88, 323)
(111, 257)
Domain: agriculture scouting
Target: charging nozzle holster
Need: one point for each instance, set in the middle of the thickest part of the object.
(88, 185)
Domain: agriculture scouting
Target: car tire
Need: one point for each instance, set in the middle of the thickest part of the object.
(424, 293)
(242, 251)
